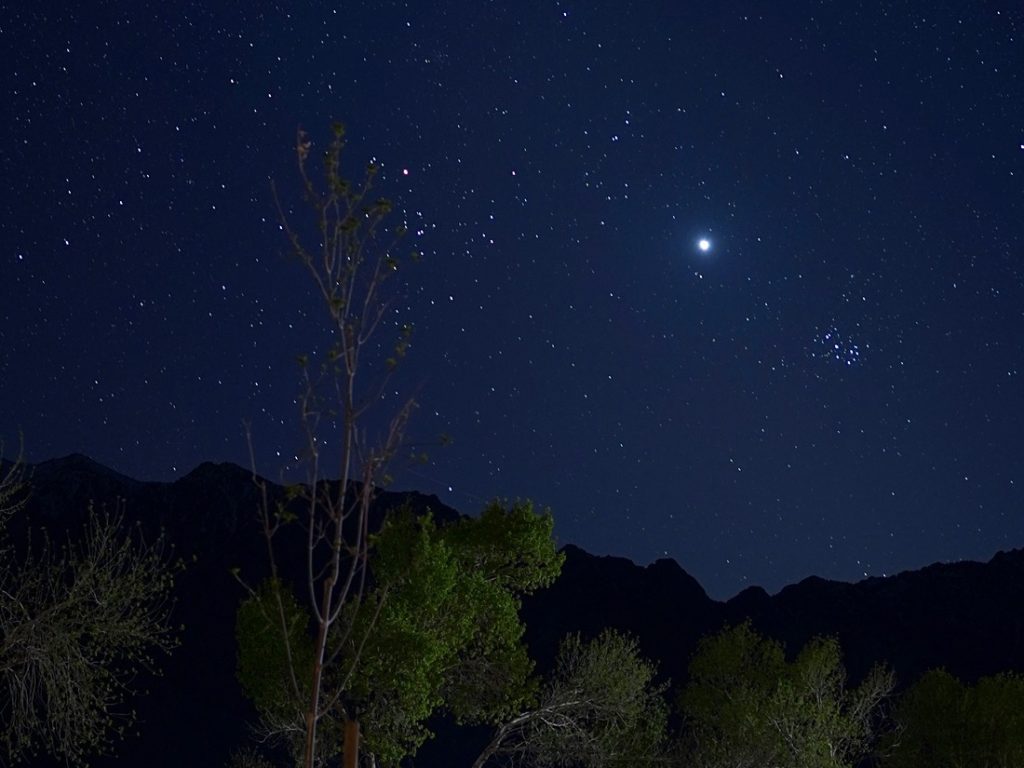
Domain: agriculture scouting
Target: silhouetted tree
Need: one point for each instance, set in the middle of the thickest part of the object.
(942, 723)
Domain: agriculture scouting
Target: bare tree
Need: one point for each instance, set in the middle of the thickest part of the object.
(354, 256)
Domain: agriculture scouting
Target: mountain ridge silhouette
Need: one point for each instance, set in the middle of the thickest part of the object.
(967, 617)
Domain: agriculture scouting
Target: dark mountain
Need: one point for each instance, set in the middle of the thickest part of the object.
(661, 604)
(966, 617)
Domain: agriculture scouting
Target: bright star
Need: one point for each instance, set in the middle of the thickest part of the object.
(704, 244)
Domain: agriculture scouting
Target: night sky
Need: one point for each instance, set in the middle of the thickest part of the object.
(831, 384)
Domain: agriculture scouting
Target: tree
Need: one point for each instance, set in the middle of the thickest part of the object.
(438, 629)
(942, 723)
(732, 679)
(448, 633)
(351, 262)
(77, 625)
(745, 705)
(601, 707)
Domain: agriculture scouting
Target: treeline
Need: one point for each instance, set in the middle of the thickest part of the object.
(746, 703)
(438, 632)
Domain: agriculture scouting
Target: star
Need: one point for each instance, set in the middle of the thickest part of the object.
(704, 245)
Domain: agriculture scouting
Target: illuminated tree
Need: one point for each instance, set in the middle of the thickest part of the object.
(601, 707)
(745, 705)
(77, 625)
(352, 259)
(438, 628)
(381, 630)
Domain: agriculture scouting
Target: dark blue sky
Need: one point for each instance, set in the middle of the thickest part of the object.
(835, 387)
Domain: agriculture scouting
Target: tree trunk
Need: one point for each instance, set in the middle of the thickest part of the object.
(318, 668)
(350, 757)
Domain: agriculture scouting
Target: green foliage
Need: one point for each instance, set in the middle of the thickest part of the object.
(732, 678)
(264, 650)
(746, 705)
(942, 723)
(437, 628)
(404, 637)
(446, 632)
(504, 554)
(513, 546)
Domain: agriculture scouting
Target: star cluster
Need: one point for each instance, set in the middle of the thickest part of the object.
(832, 385)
